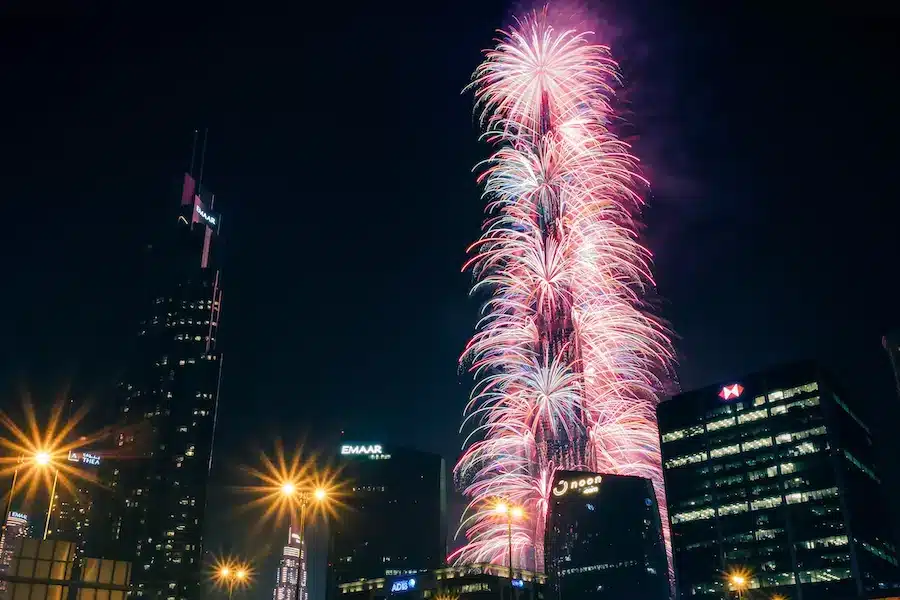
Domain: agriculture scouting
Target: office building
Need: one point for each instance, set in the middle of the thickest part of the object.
(73, 516)
(480, 581)
(772, 476)
(169, 406)
(16, 528)
(393, 521)
(604, 539)
(290, 569)
(50, 570)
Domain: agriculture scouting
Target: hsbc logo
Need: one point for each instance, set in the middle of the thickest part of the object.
(731, 391)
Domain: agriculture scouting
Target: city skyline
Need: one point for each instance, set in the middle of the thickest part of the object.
(753, 249)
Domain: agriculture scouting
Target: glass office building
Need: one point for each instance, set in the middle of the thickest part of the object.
(394, 515)
(604, 539)
(772, 475)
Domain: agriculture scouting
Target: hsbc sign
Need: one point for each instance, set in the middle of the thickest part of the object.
(729, 392)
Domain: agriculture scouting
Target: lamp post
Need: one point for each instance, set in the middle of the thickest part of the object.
(511, 512)
(232, 575)
(739, 583)
(290, 491)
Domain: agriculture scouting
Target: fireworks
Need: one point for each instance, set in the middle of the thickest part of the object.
(566, 357)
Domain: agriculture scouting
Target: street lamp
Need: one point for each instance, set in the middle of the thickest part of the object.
(739, 583)
(231, 575)
(510, 512)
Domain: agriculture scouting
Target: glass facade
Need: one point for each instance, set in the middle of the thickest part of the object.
(169, 408)
(604, 539)
(774, 476)
(394, 522)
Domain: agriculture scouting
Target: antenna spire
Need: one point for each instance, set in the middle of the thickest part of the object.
(203, 155)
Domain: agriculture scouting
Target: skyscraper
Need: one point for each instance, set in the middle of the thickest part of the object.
(16, 528)
(604, 539)
(394, 520)
(169, 406)
(290, 569)
(772, 476)
(73, 516)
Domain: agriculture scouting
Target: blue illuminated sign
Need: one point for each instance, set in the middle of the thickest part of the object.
(403, 585)
(518, 583)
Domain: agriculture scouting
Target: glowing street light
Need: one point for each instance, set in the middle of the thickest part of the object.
(739, 580)
(231, 574)
(290, 487)
(510, 512)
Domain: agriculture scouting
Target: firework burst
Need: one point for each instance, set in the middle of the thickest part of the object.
(566, 355)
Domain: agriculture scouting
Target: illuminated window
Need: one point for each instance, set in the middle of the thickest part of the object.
(753, 415)
(764, 503)
(784, 438)
(779, 410)
(768, 534)
(756, 444)
(824, 575)
(687, 459)
(798, 497)
(776, 395)
(725, 451)
(732, 509)
(694, 515)
(759, 400)
(720, 424)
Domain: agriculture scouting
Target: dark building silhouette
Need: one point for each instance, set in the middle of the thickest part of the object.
(164, 449)
(773, 474)
(604, 539)
(394, 521)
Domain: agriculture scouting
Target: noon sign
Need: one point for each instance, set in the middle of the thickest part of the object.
(586, 485)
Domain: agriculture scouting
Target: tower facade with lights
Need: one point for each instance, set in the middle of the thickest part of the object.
(771, 477)
(169, 406)
(291, 568)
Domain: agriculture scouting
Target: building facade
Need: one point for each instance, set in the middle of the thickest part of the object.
(50, 570)
(771, 476)
(16, 528)
(394, 518)
(291, 576)
(74, 515)
(169, 407)
(481, 581)
(891, 343)
(604, 539)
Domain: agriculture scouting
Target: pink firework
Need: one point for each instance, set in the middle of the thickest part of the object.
(566, 356)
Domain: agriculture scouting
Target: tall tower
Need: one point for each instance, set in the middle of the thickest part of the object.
(169, 407)
(291, 567)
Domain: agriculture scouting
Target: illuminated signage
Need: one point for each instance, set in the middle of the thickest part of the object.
(586, 485)
(85, 458)
(403, 585)
(518, 583)
(731, 391)
(18, 515)
(362, 449)
(205, 215)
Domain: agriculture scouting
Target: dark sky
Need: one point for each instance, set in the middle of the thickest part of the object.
(341, 151)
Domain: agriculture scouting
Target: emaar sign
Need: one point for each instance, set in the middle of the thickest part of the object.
(349, 449)
(205, 215)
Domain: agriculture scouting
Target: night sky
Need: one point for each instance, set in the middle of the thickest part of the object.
(341, 150)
